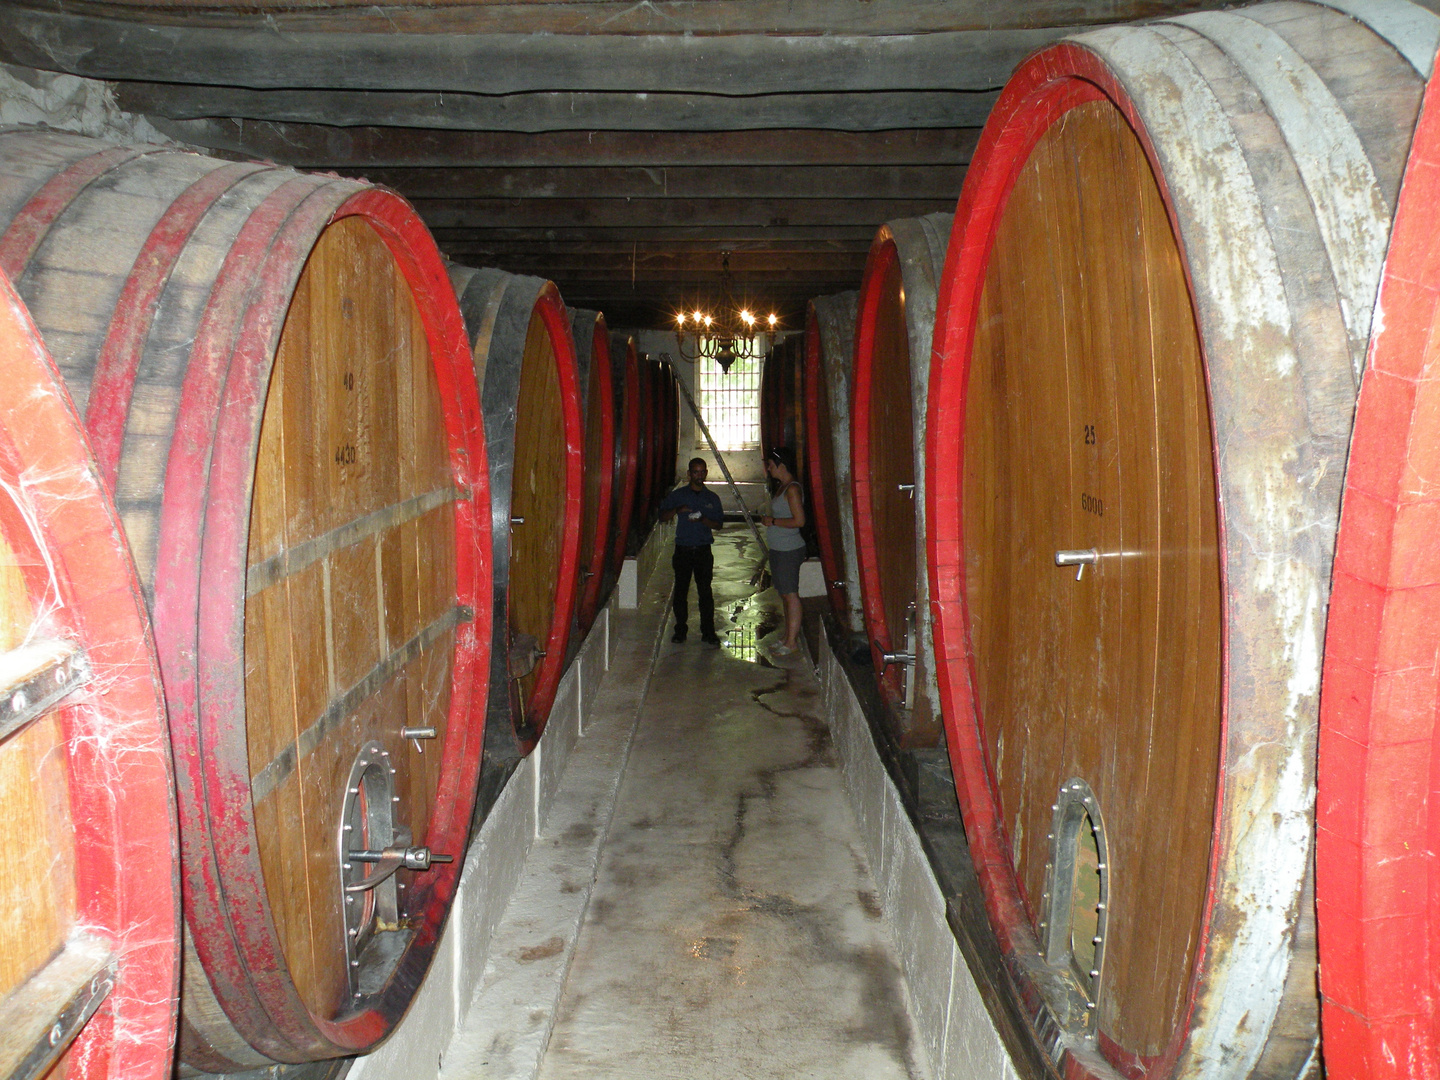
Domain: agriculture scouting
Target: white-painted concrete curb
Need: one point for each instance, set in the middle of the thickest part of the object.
(945, 1003)
(494, 884)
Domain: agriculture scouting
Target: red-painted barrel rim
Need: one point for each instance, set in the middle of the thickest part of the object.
(552, 665)
(205, 522)
(1042, 90)
(884, 255)
(628, 455)
(827, 528)
(1378, 812)
(601, 381)
(648, 398)
(121, 784)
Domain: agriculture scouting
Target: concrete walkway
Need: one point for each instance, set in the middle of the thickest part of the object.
(733, 930)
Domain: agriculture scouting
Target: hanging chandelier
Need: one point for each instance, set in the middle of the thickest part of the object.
(732, 333)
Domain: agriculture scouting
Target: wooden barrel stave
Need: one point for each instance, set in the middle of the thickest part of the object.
(833, 322)
(894, 321)
(525, 362)
(187, 390)
(1242, 998)
(1376, 807)
(592, 358)
(87, 784)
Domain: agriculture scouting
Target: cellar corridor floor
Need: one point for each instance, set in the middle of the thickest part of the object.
(733, 930)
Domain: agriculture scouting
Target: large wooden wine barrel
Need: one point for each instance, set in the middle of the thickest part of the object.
(829, 347)
(1154, 312)
(90, 941)
(525, 365)
(599, 473)
(782, 399)
(277, 384)
(667, 465)
(658, 444)
(625, 363)
(646, 453)
(1378, 804)
(893, 327)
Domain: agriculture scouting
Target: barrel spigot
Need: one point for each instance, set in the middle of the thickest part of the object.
(415, 734)
(1078, 558)
(391, 859)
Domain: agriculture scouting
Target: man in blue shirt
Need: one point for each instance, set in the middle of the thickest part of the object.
(700, 515)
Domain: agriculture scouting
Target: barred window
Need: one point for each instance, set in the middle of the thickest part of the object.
(730, 403)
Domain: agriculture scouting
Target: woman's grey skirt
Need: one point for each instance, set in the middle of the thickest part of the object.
(785, 570)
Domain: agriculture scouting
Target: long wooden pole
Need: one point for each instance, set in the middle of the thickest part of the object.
(720, 460)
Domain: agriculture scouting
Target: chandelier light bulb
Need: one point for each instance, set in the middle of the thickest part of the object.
(727, 335)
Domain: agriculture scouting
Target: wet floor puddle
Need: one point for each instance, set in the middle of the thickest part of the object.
(746, 603)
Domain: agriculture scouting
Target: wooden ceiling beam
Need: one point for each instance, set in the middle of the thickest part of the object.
(783, 248)
(669, 182)
(701, 267)
(627, 17)
(655, 307)
(872, 111)
(737, 214)
(713, 237)
(257, 56)
(322, 146)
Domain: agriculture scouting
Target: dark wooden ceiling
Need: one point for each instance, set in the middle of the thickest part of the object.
(619, 148)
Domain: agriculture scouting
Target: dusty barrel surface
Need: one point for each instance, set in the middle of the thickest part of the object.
(1378, 804)
(1154, 313)
(599, 472)
(625, 372)
(829, 346)
(89, 947)
(893, 327)
(525, 366)
(274, 375)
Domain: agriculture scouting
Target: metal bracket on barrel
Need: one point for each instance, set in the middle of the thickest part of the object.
(370, 902)
(1074, 806)
(34, 677)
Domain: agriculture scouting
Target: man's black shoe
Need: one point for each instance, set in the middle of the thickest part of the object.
(678, 636)
(710, 639)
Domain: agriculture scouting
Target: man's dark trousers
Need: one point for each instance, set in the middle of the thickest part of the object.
(699, 561)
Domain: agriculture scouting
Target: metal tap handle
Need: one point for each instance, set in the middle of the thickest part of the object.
(390, 860)
(1078, 558)
(898, 657)
(415, 734)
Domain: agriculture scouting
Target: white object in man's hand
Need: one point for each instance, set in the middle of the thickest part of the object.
(695, 516)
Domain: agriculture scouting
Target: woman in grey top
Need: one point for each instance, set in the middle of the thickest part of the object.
(782, 536)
